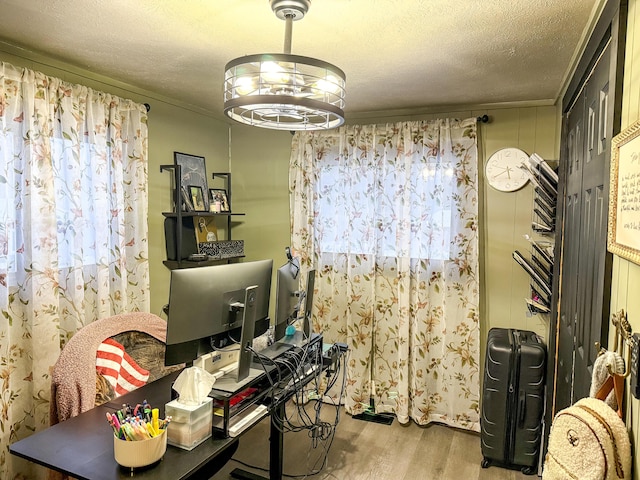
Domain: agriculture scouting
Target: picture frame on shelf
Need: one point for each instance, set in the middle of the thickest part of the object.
(197, 198)
(193, 172)
(205, 228)
(187, 206)
(219, 201)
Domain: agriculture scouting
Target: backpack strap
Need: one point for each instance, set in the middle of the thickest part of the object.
(614, 382)
(603, 422)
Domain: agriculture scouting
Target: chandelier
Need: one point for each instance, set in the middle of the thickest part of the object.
(283, 91)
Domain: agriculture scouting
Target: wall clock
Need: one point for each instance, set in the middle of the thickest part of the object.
(503, 170)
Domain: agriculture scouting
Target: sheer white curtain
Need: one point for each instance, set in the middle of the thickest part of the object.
(387, 214)
(73, 232)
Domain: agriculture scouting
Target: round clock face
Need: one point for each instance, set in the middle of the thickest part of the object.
(503, 170)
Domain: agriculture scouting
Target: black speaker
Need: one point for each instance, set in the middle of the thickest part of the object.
(188, 245)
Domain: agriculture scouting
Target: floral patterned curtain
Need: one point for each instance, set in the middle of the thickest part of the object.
(388, 217)
(73, 233)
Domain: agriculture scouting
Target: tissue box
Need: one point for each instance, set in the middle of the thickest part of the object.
(190, 424)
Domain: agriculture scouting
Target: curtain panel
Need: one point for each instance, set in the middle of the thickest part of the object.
(73, 232)
(388, 217)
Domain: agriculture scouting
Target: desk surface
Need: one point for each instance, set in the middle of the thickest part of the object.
(83, 445)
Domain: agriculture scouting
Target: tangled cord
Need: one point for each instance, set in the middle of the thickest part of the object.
(321, 433)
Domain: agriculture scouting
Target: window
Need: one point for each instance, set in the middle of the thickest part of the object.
(77, 198)
(400, 211)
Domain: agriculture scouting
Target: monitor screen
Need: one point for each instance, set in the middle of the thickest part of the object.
(204, 307)
(288, 296)
(308, 306)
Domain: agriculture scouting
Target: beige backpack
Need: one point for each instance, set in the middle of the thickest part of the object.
(589, 440)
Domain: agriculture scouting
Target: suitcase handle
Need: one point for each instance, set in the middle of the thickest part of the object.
(522, 402)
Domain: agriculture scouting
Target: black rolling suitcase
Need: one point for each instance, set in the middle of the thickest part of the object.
(513, 399)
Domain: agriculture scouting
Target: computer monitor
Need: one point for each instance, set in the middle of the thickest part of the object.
(205, 310)
(288, 296)
(308, 305)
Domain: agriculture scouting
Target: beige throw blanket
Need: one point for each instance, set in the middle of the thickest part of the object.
(73, 383)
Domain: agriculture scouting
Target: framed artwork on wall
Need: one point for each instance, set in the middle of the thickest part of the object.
(193, 173)
(623, 235)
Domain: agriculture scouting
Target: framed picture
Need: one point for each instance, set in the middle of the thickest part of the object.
(205, 228)
(187, 206)
(624, 196)
(197, 198)
(193, 173)
(218, 200)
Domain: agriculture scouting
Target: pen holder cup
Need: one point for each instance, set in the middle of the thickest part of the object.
(140, 453)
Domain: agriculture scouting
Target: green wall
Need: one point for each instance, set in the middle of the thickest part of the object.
(626, 275)
(260, 172)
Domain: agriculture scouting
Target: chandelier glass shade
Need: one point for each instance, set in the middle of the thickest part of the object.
(284, 92)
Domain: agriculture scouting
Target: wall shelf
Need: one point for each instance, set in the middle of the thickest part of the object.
(180, 229)
(538, 264)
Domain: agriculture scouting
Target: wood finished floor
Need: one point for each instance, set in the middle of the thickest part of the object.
(366, 450)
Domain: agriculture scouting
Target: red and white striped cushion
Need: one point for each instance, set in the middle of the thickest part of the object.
(117, 366)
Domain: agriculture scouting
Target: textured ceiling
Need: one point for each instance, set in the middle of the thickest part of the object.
(397, 54)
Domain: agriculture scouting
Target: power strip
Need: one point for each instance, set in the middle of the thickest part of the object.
(248, 418)
(216, 361)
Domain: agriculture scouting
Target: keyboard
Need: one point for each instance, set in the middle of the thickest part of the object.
(250, 416)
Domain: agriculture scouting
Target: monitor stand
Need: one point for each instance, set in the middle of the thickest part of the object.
(306, 322)
(229, 383)
(275, 350)
(243, 374)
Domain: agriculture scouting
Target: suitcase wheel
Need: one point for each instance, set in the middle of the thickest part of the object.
(485, 463)
(528, 470)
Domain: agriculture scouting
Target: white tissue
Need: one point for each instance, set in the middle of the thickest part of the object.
(193, 385)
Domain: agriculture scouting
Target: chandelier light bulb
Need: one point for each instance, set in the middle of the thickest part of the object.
(329, 84)
(244, 85)
(273, 73)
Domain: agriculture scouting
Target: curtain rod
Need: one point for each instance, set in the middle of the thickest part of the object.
(482, 119)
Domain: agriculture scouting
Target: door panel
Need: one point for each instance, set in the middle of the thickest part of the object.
(570, 254)
(582, 269)
(583, 310)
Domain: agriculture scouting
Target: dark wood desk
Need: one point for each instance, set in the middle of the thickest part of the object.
(83, 446)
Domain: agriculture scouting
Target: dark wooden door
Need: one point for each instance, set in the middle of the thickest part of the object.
(584, 309)
(582, 284)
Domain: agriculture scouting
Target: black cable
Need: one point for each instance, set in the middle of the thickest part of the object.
(295, 361)
(264, 367)
(331, 437)
(248, 465)
(325, 431)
